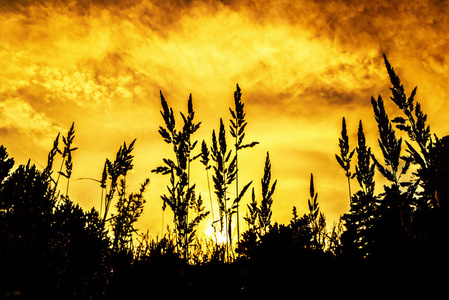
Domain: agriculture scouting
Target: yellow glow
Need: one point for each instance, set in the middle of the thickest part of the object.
(215, 235)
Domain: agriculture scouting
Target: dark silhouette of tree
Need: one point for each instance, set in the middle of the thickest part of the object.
(6, 164)
(26, 219)
(48, 248)
(80, 254)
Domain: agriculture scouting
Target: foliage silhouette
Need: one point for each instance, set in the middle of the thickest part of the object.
(258, 218)
(114, 171)
(181, 195)
(393, 239)
(129, 210)
(237, 130)
(345, 156)
(47, 248)
(225, 172)
(394, 226)
(388, 143)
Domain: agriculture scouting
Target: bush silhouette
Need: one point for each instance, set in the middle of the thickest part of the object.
(48, 248)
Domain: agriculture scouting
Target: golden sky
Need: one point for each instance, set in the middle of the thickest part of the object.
(301, 65)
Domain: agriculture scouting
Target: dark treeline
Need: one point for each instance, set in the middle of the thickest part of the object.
(391, 243)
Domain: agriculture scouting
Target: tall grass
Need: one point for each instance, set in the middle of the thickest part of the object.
(181, 193)
(345, 157)
(237, 130)
(129, 209)
(205, 158)
(53, 248)
(225, 172)
(116, 170)
(66, 155)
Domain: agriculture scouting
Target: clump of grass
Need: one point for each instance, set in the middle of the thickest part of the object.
(316, 219)
(224, 174)
(259, 217)
(225, 171)
(363, 204)
(129, 209)
(181, 193)
(415, 126)
(116, 170)
(388, 143)
(67, 161)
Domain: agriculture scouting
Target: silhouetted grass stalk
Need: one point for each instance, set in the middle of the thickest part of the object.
(345, 157)
(181, 195)
(224, 171)
(205, 161)
(237, 130)
(66, 155)
(388, 143)
(259, 217)
(364, 169)
(120, 167)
